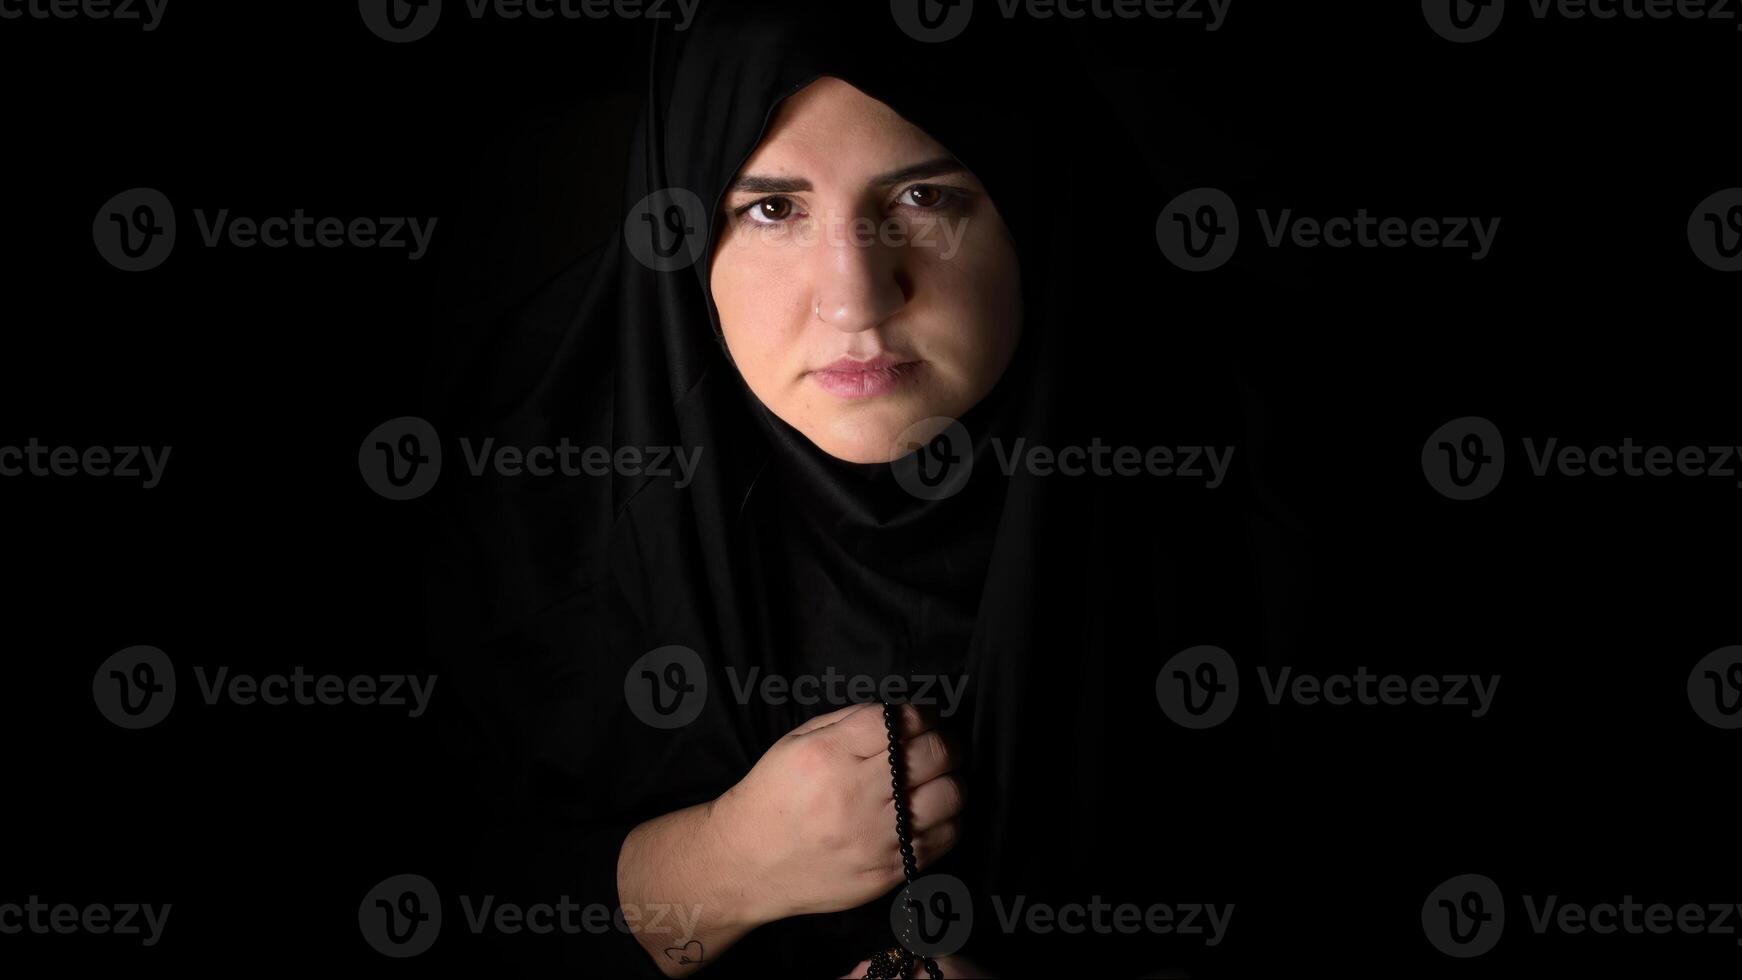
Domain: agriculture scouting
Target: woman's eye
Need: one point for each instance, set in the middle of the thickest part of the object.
(928, 196)
(769, 210)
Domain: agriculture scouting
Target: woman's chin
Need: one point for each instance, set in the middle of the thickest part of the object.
(876, 433)
(856, 449)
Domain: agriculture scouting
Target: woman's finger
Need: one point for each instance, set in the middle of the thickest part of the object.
(935, 802)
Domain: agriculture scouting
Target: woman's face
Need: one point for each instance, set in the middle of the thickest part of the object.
(864, 281)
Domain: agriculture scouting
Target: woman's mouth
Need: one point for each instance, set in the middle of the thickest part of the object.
(849, 378)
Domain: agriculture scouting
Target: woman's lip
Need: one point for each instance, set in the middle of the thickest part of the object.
(848, 378)
(847, 365)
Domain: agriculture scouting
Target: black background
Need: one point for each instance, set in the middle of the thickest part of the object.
(263, 549)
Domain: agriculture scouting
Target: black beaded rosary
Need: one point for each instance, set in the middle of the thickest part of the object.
(897, 961)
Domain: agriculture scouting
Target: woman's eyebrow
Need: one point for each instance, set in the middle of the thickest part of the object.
(920, 171)
(757, 184)
(763, 184)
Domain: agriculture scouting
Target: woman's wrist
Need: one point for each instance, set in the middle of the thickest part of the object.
(737, 873)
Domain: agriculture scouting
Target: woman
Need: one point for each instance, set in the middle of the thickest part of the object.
(860, 285)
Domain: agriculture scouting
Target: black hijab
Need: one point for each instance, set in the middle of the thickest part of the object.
(779, 559)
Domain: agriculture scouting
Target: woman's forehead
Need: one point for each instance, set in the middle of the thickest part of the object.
(830, 130)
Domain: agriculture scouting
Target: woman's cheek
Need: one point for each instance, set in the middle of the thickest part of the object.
(759, 300)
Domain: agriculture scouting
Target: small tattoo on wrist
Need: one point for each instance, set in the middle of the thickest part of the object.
(690, 952)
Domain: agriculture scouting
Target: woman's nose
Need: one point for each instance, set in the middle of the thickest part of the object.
(857, 277)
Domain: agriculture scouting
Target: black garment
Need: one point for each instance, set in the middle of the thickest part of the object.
(1057, 598)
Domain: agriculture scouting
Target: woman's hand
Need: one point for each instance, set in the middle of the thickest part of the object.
(811, 828)
(814, 820)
